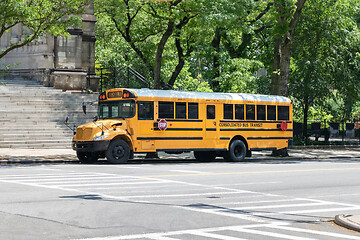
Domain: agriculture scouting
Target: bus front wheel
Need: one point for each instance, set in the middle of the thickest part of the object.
(87, 157)
(237, 151)
(118, 152)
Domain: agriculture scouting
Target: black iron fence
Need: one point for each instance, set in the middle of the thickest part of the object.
(124, 77)
(328, 132)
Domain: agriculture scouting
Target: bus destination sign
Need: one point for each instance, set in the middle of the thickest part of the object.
(116, 94)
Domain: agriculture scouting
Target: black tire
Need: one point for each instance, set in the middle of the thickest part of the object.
(204, 156)
(118, 152)
(237, 151)
(87, 157)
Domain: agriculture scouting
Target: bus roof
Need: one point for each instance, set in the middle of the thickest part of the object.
(144, 92)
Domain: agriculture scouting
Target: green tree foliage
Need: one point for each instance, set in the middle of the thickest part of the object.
(38, 17)
(148, 26)
(325, 66)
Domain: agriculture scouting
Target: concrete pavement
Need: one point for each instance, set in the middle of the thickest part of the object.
(13, 156)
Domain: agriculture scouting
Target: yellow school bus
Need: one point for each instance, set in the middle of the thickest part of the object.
(230, 125)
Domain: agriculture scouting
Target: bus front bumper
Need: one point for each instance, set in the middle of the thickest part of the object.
(92, 146)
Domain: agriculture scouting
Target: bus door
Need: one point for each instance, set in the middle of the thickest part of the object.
(145, 126)
(211, 123)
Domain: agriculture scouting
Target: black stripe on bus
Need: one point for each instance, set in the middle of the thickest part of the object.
(180, 129)
(268, 138)
(182, 120)
(224, 138)
(254, 129)
(211, 129)
(169, 138)
(191, 149)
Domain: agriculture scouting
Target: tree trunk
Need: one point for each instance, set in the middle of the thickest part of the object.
(275, 75)
(306, 111)
(159, 53)
(282, 50)
(284, 70)
(180, 64)
(216, 64)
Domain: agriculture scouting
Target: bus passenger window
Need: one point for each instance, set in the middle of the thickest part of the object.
(193, 111)
(210, 111)
(114, 111)
(250, 112)
(261, 115)
(180, 110)
(228, 111)
(283, 112)
(271, 112)
(166, 110)
(239, 111)
(146, 110)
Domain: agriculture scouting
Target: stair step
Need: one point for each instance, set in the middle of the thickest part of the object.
(33, 116)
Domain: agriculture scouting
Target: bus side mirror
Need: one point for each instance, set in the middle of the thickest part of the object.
(96, 118)
(66, 120)
(84, 107)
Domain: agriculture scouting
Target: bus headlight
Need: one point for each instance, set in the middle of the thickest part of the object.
(99, 138)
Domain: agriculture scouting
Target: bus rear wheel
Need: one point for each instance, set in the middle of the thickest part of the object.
(87, 157)
(204, 156)
(237, 151)
(118, 152)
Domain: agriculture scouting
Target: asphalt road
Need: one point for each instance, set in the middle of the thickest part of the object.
(274, 199)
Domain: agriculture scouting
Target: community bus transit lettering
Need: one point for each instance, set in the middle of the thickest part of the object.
(230, 125)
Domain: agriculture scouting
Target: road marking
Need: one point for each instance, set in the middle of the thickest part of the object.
(78, 179)
(317, 210)
(245, 184)
(280, 206)
(180, 195)
(336, 235)
(254, 172)
(181, 232)
(277, 235)
(107, 184)
(187, 171)
(250, 228)
(213, 235)
(262, 201)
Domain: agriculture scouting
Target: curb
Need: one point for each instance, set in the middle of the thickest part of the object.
(326, 147)
(343, 221)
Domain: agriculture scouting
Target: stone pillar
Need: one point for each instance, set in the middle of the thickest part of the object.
(64, 63)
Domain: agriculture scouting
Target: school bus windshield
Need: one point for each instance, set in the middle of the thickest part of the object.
(117, 109)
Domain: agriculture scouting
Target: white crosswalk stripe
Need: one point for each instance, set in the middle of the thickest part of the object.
(253, 229)
(255, 207)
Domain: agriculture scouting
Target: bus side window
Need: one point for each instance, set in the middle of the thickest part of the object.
(193, 111)
(180, 110)
(228, 111)
(146, 110)
(261, 114)
(210, 111)
(283, 112)
(166, 110)
(239, 111)
(271, 112)
(250, 112)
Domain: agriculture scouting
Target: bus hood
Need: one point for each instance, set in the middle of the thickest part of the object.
(88, 131)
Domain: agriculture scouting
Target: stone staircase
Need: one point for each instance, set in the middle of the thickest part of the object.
(32, 116)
